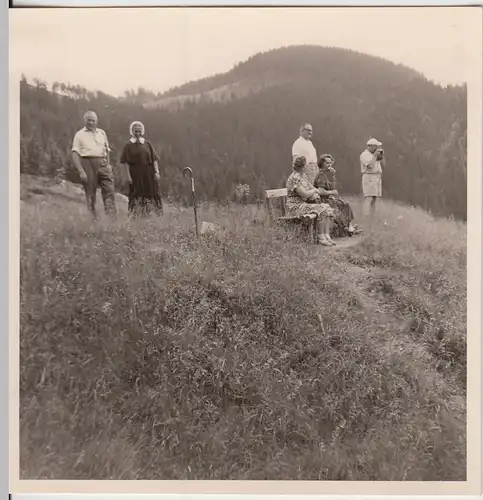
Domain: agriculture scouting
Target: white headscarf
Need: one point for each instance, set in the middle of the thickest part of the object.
(131, 128)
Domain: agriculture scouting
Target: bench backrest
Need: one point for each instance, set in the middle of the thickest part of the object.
(275, 194)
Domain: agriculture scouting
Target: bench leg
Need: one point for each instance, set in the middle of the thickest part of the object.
(305, 225)
(311, 231)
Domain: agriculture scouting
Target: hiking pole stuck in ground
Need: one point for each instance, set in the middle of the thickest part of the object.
(188, 169)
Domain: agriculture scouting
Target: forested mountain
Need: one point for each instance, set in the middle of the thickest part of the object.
(239, 127)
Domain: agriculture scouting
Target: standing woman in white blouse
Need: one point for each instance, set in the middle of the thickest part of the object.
(372, 164)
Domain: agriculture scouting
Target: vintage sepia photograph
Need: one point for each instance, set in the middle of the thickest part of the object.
(243, 243)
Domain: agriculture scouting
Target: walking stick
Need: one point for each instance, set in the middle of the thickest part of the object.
(188, 169)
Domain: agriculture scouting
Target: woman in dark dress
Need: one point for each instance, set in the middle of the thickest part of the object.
(343, 212)
(141, 166)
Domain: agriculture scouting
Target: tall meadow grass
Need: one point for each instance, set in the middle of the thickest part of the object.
(246, 354)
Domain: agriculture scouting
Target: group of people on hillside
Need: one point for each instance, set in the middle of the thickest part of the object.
(139, 161)
(310, 191)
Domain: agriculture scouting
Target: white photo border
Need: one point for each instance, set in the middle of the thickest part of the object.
(243, 490)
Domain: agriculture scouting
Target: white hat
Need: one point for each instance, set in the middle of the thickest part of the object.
(373, 142)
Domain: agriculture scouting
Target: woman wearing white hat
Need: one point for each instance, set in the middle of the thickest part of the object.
(372, 163)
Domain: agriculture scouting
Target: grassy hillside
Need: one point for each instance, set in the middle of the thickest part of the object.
(224, 93)
(248, 354)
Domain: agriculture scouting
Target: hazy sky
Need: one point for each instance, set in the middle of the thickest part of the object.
(117, 49)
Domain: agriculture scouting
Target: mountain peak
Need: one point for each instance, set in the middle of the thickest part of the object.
(298, 61)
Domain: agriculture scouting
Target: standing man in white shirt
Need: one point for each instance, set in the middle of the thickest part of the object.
(303, 147)
(372, 162)
(90, 154)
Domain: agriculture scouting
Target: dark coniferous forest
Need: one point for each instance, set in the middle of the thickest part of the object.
(239, 127)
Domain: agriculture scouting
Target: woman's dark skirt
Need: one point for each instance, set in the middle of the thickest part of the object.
(343, 216)
(144, 197)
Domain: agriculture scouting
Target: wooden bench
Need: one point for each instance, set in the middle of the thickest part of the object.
(309, 220)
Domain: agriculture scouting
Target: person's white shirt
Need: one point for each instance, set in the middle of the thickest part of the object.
(366, 158)
(91, 142)
(304, 147)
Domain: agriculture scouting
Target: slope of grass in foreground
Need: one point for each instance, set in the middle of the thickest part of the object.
(148, 355)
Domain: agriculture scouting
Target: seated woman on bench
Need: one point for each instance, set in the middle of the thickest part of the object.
(342, 209)
(303, 199)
